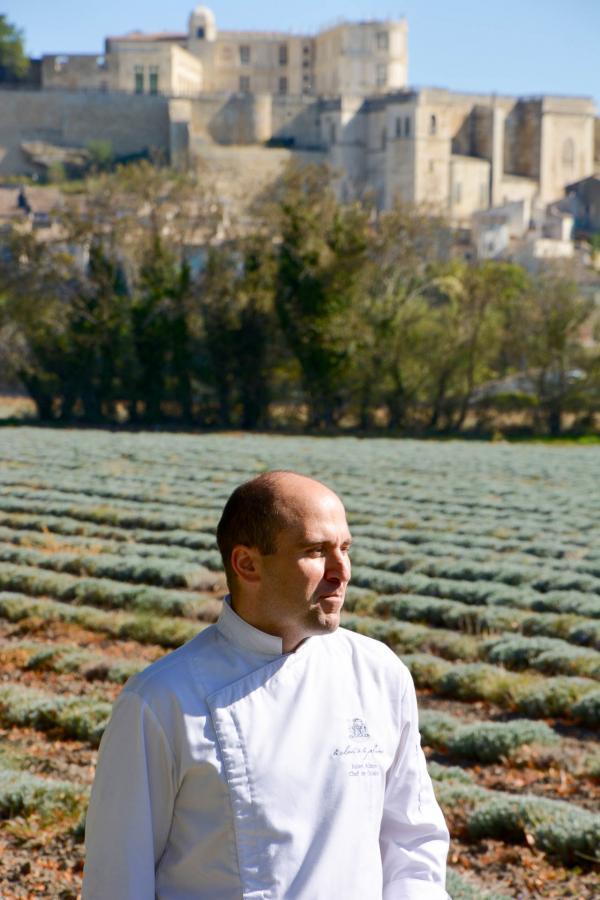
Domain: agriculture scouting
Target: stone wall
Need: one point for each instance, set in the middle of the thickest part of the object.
(83, 71)
(522, 137)
(74, 118)
(567, 145)
(242, 119)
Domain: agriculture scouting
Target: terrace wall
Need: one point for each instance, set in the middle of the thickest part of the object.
(73, 118)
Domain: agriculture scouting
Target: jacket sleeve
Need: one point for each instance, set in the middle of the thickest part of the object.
(414, 838)
(131, 805)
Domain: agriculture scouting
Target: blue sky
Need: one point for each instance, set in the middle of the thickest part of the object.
(511, 47)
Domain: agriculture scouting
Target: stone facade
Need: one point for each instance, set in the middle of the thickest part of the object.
(351, 57)
(74, 118)
(339, 95)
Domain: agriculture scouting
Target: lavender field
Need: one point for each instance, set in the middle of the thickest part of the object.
(479, 564)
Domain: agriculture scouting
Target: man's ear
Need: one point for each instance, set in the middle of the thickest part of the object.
(245, 563)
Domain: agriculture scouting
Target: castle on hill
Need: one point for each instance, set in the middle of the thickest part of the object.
(341, 96)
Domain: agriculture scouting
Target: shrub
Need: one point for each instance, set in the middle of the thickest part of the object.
(475, 681)
(22, 793)
(436, 728)
(83, 718)
(490, 741)
(461, 889)
(553, 697)
(587, 710)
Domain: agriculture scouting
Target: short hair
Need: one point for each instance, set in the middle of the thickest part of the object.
(253, 516)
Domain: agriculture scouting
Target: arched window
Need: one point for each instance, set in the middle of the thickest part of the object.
(433, 125)
(568, 153)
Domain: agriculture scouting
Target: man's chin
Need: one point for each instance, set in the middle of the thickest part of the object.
(328, 621)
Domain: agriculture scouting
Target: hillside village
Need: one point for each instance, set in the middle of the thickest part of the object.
(518, 174)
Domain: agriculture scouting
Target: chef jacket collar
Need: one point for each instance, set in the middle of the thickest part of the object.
(240, 632)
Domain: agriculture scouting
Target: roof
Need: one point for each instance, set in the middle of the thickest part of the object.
(42, 200)
(589, 179)
(141, 37)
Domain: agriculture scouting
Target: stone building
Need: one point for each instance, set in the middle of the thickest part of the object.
(350, 57)
(339, 96)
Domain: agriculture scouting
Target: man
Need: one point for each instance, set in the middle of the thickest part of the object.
(273, 756)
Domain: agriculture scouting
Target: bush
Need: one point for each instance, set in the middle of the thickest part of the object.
(490, 741)
(587, 710)
(553, 697)
(22, 794)
(461, 889)
(436, 728)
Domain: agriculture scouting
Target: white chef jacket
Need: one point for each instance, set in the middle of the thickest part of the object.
(231, 771)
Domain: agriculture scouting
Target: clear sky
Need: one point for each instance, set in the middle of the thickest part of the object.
(508, 46)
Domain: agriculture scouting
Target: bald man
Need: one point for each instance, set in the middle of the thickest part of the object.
(274, 756)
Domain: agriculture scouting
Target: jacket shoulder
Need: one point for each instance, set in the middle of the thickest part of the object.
(170, 672)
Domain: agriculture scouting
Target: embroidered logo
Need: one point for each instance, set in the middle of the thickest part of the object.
(358, 730)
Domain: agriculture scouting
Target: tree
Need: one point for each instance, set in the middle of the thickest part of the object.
(235, 301)
(13, 61)
(403, 244)
(321, 247)
(100, 315)
(555, 352)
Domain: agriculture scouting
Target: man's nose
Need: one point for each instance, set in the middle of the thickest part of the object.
(338, 566)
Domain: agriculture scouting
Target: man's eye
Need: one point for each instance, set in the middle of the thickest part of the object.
(315, 551)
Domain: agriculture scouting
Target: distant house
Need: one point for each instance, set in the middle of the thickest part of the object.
(584, 203)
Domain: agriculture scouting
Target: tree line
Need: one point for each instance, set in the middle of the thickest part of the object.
(141, 305)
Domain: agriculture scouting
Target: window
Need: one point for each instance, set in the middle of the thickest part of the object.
(382, 40)
(398, 127)
(283, 85)
(244, 54)
(153, 80)
(101, 62)
(432, 125)
(383, 138)
(407, 126)
(139, 79)
(332, 134)
(381, 75)
(200, 32)
(60, 62)
(244, 84)
(306, 49)
(306, 63)
(283, 55)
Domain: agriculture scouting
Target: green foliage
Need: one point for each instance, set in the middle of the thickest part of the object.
(461, 889)
(101, 155)
(482, 741)
(587, 710)
(103, 592)
(13, 61)
(142, 627)
(490, 741)
(82, 718)
(558, 696)
(561, 829)
(319, 257)
(152, 308)
(22, 794)
(436, 728)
